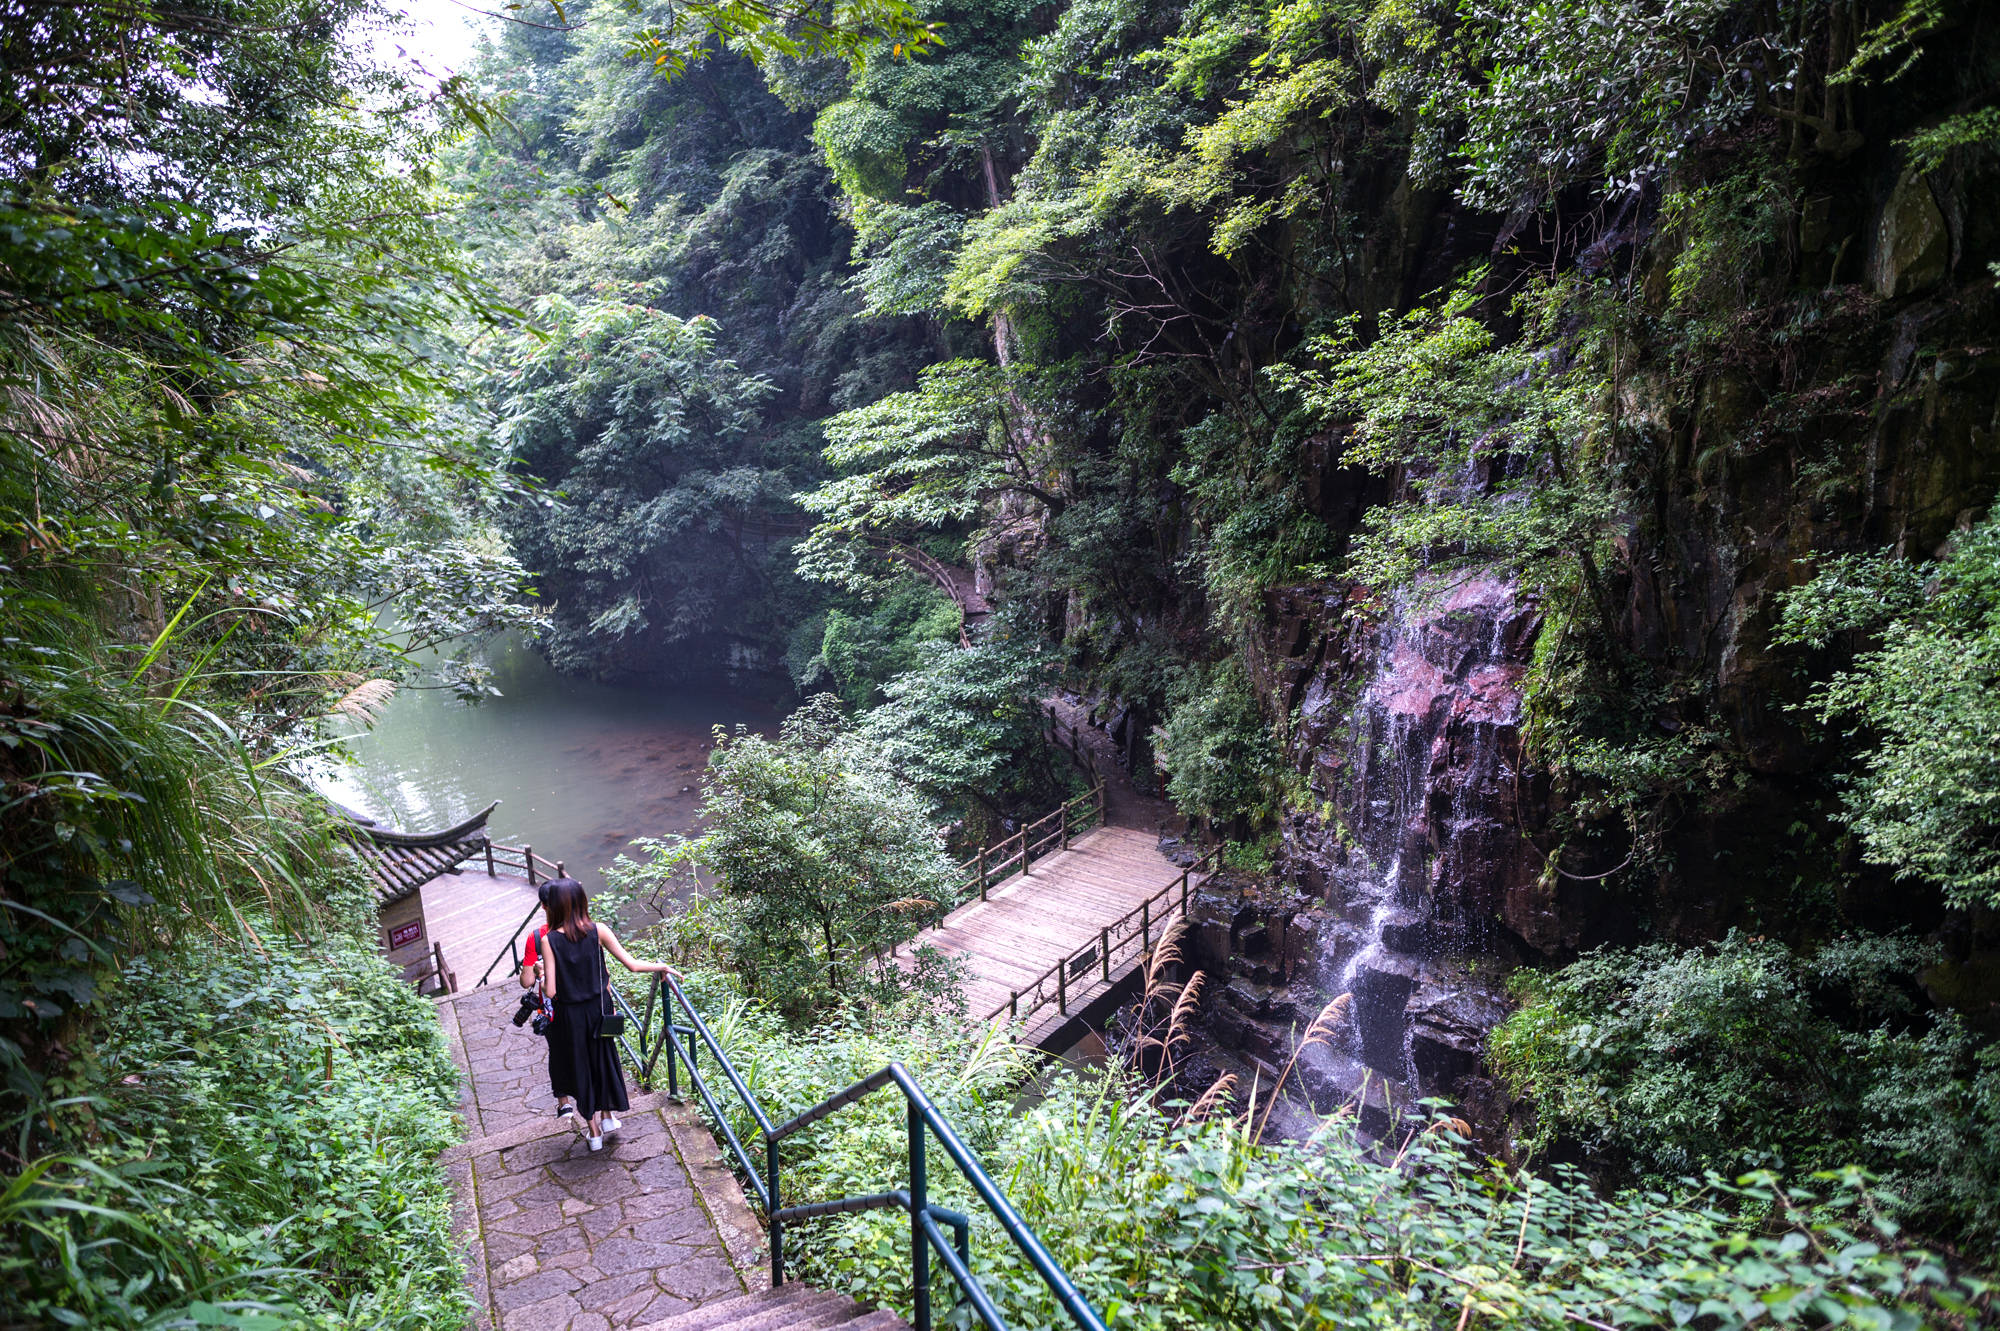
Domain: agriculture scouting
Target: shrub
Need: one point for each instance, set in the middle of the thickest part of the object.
(1749, 1055)
(965, 729)
(259, 1151)
(1925, 702)
(858, 653)
(1198, 1225)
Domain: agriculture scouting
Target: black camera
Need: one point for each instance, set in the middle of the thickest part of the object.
(529, 1006)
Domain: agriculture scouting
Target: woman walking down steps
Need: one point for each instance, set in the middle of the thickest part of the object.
(578, 986)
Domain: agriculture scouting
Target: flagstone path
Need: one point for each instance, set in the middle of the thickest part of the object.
(559, 1239)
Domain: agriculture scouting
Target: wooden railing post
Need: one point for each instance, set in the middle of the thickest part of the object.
(1063, 823)
(1104, 951)
(1184, 892)
(982, 873)
(1022, 837)
(528, 857)
(560, 871)
(489, 859)
(1145, 925)
(1062, 986)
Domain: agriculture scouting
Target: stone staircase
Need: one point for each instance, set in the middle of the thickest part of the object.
(653, 1232)
(789, 1308)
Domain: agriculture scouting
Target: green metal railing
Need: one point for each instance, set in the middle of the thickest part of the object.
(924, 1122)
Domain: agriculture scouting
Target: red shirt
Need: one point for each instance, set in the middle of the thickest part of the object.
(528, 953)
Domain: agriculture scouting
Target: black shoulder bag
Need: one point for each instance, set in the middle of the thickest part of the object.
(614, 1020)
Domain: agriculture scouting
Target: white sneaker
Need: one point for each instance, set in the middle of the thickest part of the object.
(596, 1143)
(611, 1124)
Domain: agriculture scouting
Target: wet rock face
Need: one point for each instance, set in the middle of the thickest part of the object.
(1409, 732)
(1911, 247)
(1422, 769)
(1275, 957)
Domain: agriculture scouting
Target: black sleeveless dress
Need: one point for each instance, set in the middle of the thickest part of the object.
(581, 1060)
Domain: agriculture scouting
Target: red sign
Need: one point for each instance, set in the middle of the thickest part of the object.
(405, 934)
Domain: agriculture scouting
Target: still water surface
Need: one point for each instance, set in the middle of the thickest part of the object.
(579, 768)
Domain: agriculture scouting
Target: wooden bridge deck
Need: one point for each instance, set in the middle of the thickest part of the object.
(1058, 911)
(471, 914)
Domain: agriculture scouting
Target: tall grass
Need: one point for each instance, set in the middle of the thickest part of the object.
(107, 782)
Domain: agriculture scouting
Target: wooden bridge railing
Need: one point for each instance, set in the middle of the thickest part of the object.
(997, 863)
(430, 968)
(524, 859)
(1126, 939)
(1069, 739)
(940, 575)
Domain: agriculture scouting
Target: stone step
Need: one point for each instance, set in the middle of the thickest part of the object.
(793, 1307)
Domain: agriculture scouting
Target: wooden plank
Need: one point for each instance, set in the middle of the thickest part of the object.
(1055, 911)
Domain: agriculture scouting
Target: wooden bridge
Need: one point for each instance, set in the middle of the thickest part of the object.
(1058, 917)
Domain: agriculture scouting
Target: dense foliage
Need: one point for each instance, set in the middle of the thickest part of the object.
(1222, 337)
(1196, 1224)
(674, 239)
(253, 1145)
(1751, 1056)
(1147, 314)
(857, 652)
(226, 447)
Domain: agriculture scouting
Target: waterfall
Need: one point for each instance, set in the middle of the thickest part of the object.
(1423, 847)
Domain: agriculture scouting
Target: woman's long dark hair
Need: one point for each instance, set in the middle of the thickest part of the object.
(569, 908)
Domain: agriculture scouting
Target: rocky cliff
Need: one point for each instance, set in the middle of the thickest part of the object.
(1850, 402)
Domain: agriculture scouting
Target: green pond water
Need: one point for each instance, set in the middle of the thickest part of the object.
(580, 769)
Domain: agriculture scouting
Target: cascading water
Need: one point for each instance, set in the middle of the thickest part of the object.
(1424, 845)
(1378, 918)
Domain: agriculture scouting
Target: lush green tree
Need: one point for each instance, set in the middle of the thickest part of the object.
(966, 729)
(926, 460)
(1924, 704)
(698, 197)
(639, 429)
(824, 857)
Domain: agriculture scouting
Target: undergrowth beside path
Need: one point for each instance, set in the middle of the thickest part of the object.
(1170, 1222)
(253, 1145)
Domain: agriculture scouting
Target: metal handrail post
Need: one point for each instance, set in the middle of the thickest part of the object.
(776, 1221)
(920, 1252)
(1058, 1281)
(513, 949)
(673, 1060)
